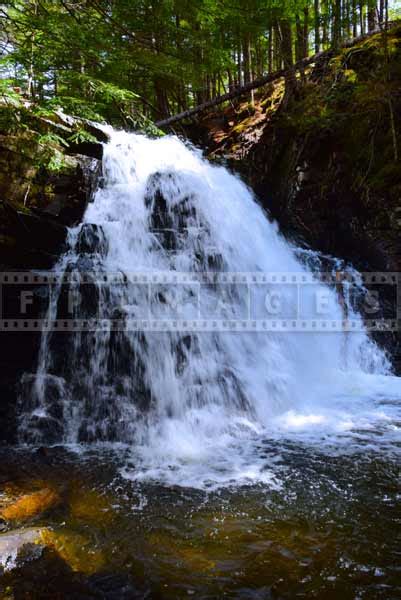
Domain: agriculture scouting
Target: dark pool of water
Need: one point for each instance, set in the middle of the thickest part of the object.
(332, 530)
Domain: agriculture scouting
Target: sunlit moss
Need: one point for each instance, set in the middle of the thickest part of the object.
(350, 75)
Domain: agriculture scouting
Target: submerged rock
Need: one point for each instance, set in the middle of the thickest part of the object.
(46, 576)
(31, 505)
(78, 552)
(12, 543)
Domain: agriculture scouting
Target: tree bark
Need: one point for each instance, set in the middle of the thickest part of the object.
(231, 83)
(246, 52)
(336, 39)
(325, 37)
(285, 31)
(248, 64)
(347, 18)
(239, 64)
(305, 51)
(362, 17)
(381, 11)
(299, 38)
(354, 18)
(372, 17)
(270, 51)
(31, 70)
(317, 25)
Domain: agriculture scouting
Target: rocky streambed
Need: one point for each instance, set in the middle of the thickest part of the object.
(80, 526)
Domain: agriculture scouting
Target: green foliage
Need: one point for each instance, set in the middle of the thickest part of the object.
(56, 162)
(81, 136)
(132, 62)
(51, 156)
(76, 107)
(350, 75)
(52, 139)
(8, 95)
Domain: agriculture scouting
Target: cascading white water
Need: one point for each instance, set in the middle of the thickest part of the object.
(183, 398)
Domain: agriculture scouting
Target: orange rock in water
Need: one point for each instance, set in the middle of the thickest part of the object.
(31, 505)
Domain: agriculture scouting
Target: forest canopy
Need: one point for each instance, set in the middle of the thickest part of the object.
(118, 59)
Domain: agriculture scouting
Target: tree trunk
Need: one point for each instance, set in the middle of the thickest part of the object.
(239, 65)
(299, 39)
(246, 52)
(55, 83)
(285, 32)
(270, 50)
(31, 70)
(381, 11)
(317, 26)
(305, 50)
(325, 37)
(354, 18)
(336, 39)
(372, 17)
(347, 18)
(231, 83)
(286, 43)
(161, 98)
(248, 64)
(362, 17)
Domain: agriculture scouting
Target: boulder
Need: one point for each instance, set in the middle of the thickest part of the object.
(12, 543)
(31, 505)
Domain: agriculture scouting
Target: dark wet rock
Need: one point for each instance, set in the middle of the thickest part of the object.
(28, 240)
(174, 215)
(91, 240)
(46, 577)
(12, 543)
(89, 149)
(22, 350)
(171, 206)
(115, 587)
(71, 189)
(41, 574)
(29, 180)
(44, 188)
(22, 304)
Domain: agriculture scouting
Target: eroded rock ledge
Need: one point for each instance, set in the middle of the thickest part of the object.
(48, 172)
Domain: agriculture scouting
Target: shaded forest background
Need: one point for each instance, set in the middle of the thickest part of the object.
(123, 60)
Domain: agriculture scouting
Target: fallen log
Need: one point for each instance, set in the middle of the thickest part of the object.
(261, 81)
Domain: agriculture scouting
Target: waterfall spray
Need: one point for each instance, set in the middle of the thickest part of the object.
(189, 284)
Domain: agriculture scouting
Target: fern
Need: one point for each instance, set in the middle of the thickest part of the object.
(82, 136)
(52, 139)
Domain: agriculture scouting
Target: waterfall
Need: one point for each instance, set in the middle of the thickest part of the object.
(172, 251)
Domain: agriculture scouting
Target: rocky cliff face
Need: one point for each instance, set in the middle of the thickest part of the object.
(48, 168)
(327, 166)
